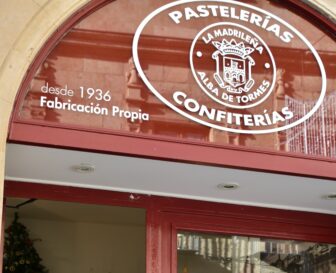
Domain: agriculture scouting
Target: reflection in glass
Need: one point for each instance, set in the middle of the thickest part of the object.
(212, 253)
(317, 135)
(97, 53)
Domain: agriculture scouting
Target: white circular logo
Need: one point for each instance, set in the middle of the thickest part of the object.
(236, 59)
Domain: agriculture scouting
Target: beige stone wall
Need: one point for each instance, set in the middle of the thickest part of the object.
(25, 26)
(327, 6)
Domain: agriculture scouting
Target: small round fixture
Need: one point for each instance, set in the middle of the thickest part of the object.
(83, 168)
(228, 186)
(331, 196)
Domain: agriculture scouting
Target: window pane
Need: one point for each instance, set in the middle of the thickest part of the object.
(212, 253)
(74, 238)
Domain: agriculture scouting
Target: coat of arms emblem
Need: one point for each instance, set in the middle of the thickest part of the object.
(233, 66)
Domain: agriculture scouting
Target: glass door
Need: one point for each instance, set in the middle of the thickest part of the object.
(199, 252)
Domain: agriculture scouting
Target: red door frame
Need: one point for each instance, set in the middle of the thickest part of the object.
(158, 147)
(173, 215)
(164, 216)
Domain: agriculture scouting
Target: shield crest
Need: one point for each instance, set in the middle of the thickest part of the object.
(234, 71)
(233, 66)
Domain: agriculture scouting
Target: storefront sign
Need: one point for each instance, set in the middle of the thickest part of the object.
(235, 61)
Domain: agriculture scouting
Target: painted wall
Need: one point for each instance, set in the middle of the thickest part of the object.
(80, 247)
